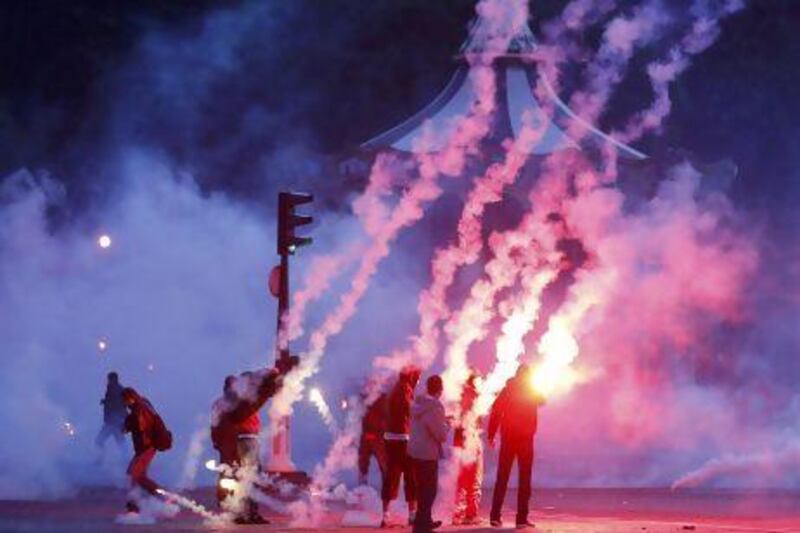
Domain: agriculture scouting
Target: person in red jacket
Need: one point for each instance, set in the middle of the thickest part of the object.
(141, 424)
(373, 424)
(515, 414)
(223, 435)
(252, 390)
(398, 426)
(470, 469)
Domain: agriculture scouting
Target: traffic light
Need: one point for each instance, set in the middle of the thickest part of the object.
(288, 220)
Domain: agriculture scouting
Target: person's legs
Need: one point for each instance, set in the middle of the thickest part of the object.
(501, 484)
(459, 512)
(379, 451)
(102, 437)
(427, 478)
(409, 483)
(364, 453)
(137, 470)
(394, 469)
(525, 464)
(248, 455)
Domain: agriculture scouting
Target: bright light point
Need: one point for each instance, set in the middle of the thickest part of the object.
(161, 492)
(104, 241)
(69, 429)
(558, 349)
(228, 483)
(151, 367)
(211, 464)
(344, 404)
(102, 345)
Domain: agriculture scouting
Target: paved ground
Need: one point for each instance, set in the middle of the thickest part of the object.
(555, 510)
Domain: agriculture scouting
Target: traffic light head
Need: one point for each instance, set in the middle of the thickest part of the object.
(288, 220)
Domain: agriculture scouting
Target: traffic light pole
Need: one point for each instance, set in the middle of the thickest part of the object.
(287, 242)
(281, 457)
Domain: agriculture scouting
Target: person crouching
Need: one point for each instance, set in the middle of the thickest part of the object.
(429, 429)
(149, 435)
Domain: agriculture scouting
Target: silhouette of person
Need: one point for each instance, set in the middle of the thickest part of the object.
(114, 412)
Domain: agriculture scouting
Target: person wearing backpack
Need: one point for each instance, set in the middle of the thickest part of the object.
(149, 435)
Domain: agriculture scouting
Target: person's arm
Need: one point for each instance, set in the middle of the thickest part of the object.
(267, 388)
(496, 415)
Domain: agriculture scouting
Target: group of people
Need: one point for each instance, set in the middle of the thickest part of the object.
(235, 428)
(406, 435)
(404, 432)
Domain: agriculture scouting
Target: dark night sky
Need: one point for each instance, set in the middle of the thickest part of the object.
(239, 92)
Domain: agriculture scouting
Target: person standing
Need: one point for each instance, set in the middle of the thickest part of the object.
(429, 429)
(149, 435)
(515, 414)
(370, 444)
(470, 468)
(395, 438)
(252, 391)
(114, 412)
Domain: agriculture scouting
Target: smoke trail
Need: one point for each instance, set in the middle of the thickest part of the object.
(757, 468)
(191, 505)
(488, 188)
(702, 34)
(558, 348)
(622, 36)
(503, 21)
(191, 463)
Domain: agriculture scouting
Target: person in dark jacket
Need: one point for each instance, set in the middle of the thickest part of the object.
(370, 444)
(141, 424)
(515, 414)
(395, 438)
(223, 435)
(470, 468)
(114, 412)
(429, 429)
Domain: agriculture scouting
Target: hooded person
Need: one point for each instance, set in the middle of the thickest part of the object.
(429, 429)
(515, 414)
(149, 435)
(470, 467)
(398, 426)
(114, 412)
(223, 435)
